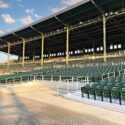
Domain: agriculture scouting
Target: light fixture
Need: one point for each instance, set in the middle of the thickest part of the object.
(111, 13)
(80, 22)
(106, 14)
(64, 28)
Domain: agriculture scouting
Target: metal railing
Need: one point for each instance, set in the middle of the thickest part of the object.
(113, 74)
(108, 75)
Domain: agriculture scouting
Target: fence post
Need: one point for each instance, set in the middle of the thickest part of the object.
(13, 80)
(58, 88)
(87, 79)
(72, 79)
(119, 73)
(114, 74)
(94, 94)
(29, 78)
(88, 94)
(52, 78)
(21, 79)
(67, 86)
(60, 79)
(76, 85)
(110, 97)
(59, 82)
(120, 101)
(42, 77)
(6, 81)
(34, 78)
(102, 77)
(82, 92)
(77, 79)
(108, 76)
(102, 95)
(124, 71)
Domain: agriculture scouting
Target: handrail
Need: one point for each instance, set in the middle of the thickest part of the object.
(109, 75)
(122, 72)
(113, 74)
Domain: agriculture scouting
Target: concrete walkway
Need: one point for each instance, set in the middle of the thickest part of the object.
(38, 105)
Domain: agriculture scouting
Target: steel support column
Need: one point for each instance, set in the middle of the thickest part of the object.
(8, 62)
(67, 46)
(93, 50)
(104, 38)
(42, 50)
(23, 53)
(33, 57)
(49, 56)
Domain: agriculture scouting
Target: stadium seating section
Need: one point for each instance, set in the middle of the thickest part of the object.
(113, 88)
(95, 73)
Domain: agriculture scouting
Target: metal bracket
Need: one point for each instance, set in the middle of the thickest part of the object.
(59, 20)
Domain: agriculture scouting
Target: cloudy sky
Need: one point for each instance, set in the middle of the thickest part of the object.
(17, 13)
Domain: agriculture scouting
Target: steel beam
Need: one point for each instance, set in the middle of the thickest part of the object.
(23, 53)
(104, 38)
(33, 57)
(98, 7)
(67, 45)
(42, 49)
(104, 28)
(8, 61)
(92, 21)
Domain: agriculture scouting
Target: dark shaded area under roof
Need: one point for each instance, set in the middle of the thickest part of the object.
(79, 38)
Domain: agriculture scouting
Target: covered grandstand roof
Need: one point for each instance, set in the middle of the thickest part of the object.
(85, 22)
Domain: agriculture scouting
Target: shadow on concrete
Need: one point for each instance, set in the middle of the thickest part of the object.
(22, 115)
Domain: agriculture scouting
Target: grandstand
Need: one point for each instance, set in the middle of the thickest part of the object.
(77, 53)
(83, 42)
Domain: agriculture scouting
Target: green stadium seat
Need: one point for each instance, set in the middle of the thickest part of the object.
(123, 93)
(91, 90)
(98, 90)
(115, 93)
(107, 91)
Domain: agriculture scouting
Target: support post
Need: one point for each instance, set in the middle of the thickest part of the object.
(49, 55)
(68, 87)
(8, 62)
(60, 79)
(13, 80)
(42, 50)
(6, 81)
(67, 46)
(34, 77)
(52, 78)
(77, 80)
(33, 57)
(93, 50)
(101, 94)
(21, 79)
(19, 58)
(120, 100)
(23, 53)
(104, 38)
(42, 77)
(72, 79)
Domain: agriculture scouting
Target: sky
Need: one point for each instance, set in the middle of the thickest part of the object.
(17, 13)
